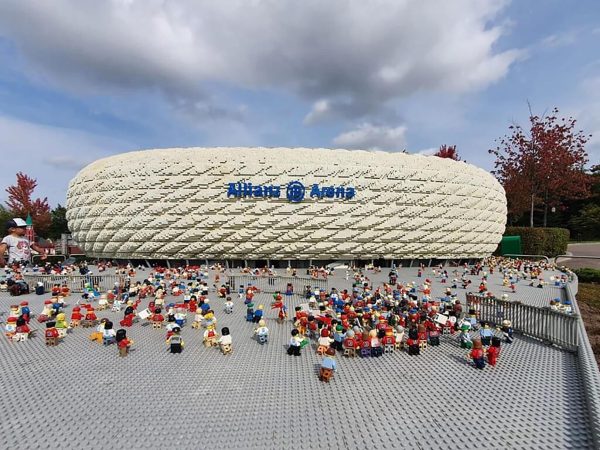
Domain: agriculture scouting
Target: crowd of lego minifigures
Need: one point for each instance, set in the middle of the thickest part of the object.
(364, 321)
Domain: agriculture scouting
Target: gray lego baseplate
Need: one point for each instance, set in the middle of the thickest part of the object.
(81, 394)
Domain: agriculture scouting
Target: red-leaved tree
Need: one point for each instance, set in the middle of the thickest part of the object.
(544, 165)
(447, 151)
(20, 203)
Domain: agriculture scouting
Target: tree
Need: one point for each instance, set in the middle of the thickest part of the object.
(5, 216)
(20, 203)
(447, 151)
(542, 166)
(58, 223)
(586, 225)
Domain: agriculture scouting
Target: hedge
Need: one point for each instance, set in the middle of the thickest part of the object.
(541, 241)
(588, 275)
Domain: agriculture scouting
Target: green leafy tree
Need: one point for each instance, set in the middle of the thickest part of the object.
(586, 225)
(5, 216)
(58, 222)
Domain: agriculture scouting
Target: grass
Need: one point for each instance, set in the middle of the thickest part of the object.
(588, 299)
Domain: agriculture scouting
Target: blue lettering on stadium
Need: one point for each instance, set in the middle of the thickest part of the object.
(294, 191)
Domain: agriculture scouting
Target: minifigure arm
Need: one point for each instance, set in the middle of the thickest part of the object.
(3, 248)
(41, 250)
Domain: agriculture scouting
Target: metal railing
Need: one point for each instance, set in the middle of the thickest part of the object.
(272, 284)
(574, 257)
(528, 256)
(558, 328)
(76, 283)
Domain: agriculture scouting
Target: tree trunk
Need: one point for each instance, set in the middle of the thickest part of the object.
(545, 208)
(531, 211)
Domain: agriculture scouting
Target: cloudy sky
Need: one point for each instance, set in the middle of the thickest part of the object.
(85, 79)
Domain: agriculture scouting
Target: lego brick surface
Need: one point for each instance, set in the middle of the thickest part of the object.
(81, 394)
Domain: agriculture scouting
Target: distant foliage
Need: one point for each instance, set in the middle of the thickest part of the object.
(447, 151)
(541, 241)
(588, 275)
(543, 166)
(20, 203)
(58, 222)
(586, 224)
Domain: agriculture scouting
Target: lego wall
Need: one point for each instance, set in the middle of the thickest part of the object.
(281, 203)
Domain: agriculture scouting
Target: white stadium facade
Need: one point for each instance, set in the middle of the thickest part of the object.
(282, 204)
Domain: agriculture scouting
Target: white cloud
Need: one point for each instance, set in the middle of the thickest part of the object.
(348, 58)
(52, 155)
(560, 39)
(372, 137)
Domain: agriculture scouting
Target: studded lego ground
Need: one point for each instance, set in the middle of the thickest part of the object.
(80, 394)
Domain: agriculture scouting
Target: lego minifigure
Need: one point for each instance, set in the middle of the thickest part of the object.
(328, 365)
(76, 317)
(123, 342)
(350, 344)
(250, 312)
(103, 302)
(389, 341)
(262, 332)
(507, 331)
(25, 311)
(295, 343)
(225, 341)
(209, 319)
(51, 334)
(108, 334)
(258, 314)
(61, 324)
(465, 337)
(22, 331)
(98, 335)
(228, 306)
(175, 341)
(157, 318)
(210, 336)
(11, 327)
(485, 333)
(375, 343)
(413, 342)
(46, 311)
(477, 354)
(14, 311)
(365, 345)
(399, 336)
(324, 342)
(494, 351)
(198, 318)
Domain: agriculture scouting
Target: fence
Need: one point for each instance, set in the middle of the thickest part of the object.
(272, 284)
(75, 282)
(542, 323)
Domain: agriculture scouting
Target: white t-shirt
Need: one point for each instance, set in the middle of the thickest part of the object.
(18, 248)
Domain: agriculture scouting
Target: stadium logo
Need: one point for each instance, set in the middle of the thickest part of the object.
(295, 191)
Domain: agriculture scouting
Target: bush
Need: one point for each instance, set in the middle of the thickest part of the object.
(588, 275)
(541, 241)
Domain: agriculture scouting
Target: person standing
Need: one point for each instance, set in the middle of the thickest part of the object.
(18, 246)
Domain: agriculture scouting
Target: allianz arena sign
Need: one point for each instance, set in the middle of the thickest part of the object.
(284, 204)
(295, 191)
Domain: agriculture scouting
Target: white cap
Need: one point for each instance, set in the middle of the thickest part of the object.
(16, 223)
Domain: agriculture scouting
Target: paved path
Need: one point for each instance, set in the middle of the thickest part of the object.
(583, 249)
(82, 395)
